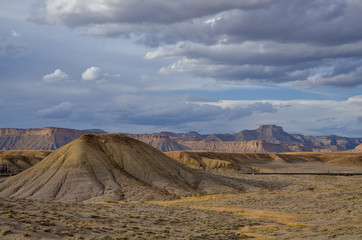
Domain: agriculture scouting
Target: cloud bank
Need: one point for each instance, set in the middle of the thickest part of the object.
(302, 42)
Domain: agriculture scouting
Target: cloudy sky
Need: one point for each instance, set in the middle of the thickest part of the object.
(211, 66)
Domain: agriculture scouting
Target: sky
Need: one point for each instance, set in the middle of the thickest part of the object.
(209, 66)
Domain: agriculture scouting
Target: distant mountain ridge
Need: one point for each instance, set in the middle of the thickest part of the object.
(267, 138)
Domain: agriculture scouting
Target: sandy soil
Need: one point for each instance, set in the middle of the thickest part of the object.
(310, 207)
(304, 207)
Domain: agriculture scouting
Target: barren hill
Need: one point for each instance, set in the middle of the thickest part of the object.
(111, 167)
(358, 148)
(14, 162)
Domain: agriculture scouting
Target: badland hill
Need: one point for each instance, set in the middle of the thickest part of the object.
(13, 162)
(99, 167)
(267, 138)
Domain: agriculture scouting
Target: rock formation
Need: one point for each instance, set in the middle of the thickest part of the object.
(268, 133)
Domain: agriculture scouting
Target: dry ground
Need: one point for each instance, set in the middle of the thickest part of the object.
(311, 207)
(306, 207)
(289, 207)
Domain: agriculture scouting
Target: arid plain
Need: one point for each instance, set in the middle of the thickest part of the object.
(259, 207)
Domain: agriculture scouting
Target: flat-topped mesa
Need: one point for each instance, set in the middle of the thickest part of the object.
(271, 127)
(38, 131)
(100, 167)
(269, 133)
(256, 146)
(48, 138)
(153, 136)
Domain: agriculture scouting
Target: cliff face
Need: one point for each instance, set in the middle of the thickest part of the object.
(159, 141)
(48, 138)
(255, 146)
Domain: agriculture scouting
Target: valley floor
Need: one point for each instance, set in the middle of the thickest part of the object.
(295, 207)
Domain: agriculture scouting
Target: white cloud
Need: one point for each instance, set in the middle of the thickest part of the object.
(15, 34)
(57, 76)
(92, 74)
(213, 21)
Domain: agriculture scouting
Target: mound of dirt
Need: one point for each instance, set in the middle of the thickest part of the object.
(98, 167)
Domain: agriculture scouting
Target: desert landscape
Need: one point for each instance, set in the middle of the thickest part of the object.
(111, 186)
(159, 119)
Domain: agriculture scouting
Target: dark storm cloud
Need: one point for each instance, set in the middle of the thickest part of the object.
(270, 41)
(346, 76)
(83, 12)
